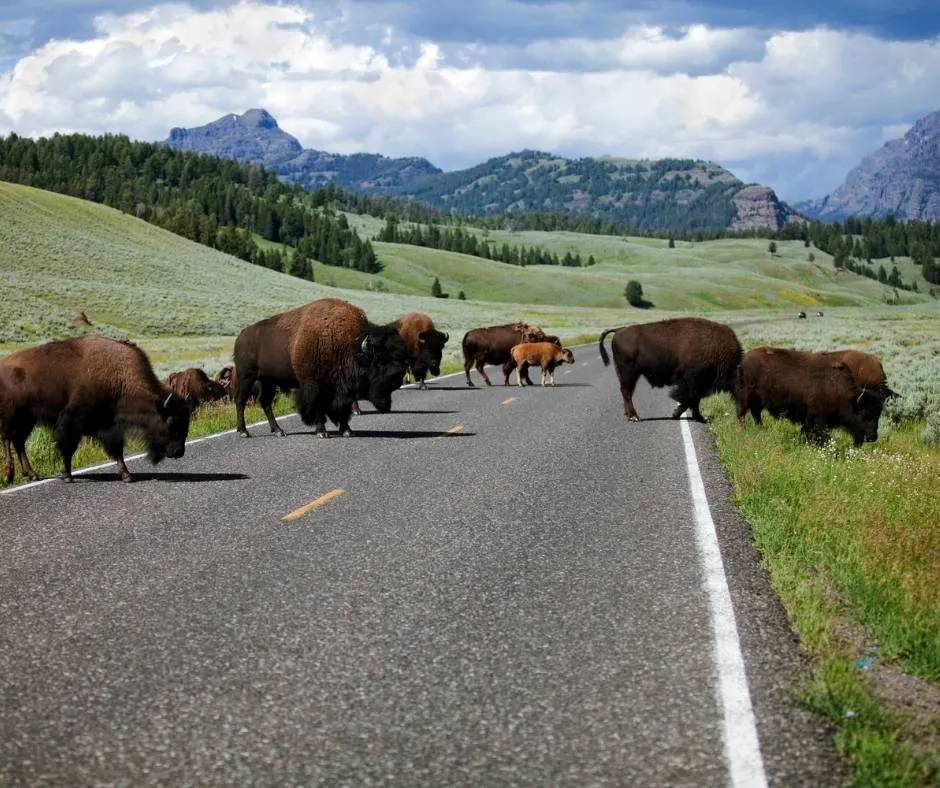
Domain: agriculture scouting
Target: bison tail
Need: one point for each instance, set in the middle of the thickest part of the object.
(600, 345)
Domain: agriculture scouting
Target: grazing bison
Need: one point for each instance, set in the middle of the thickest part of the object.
(816, 390)
(88, 386)
(546, 355)
(801, 315)
(491, 345)
(694, 356)
(425, 345)
(867, 369)
(194, 382)
(330, 353)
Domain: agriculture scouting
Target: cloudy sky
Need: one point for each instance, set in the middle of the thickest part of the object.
(788, 94)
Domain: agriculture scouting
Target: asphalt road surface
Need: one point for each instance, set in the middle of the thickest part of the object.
(486, 587)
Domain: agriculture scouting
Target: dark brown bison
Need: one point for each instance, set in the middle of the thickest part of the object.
(546, 355)
(694, 356)
(330, 353)
(88, 386)
(816, 390)
(194, 382)
(491, 345)
(425, 345)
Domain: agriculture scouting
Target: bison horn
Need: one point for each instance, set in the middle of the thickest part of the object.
(166, 402)
(446, 336)
(364, 347)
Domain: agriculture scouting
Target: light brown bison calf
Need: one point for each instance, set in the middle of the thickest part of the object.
(88, 386)
(546, 355)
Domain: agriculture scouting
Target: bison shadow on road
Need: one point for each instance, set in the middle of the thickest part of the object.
(173, 476)
(395, 411)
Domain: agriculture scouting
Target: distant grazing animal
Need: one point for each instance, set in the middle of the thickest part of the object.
(491, 345)
(194, 382)
(425, 345)
(694, 356)
(546, 355)
(88, 386)
(819, 314)
(815, 390)
(328, 351)
(801, 315)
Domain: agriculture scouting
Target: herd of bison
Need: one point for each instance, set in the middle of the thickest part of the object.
(330, 355)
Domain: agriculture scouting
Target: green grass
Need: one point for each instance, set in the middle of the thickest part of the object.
(850, 537)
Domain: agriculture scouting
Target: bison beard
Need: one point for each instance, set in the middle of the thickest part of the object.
(329, 352)
(694, 356)
(88, 386)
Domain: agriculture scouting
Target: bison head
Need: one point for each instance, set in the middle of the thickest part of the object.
(430, 349)
(382, 358)
(170, 439)
(565, 356)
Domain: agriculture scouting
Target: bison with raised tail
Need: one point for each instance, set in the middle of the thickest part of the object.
(694, 356)
(88, 386)
(330, 353)
(425, 345)
(819, 391)
(492, 344)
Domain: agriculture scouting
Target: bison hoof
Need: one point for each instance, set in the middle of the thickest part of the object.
(126, 478)
(347, 433)
(279, 432)
(244, 433)
(66, 478)
(323, 434)
(634, 417)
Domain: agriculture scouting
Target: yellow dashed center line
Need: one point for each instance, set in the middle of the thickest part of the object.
(307, 507)
(507, 401)
(454, 430)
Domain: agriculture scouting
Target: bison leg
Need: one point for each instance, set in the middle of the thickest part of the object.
(628, 378)
(18, 439)
(507, 371)
(480, 364)
(243, 393)
(8, 469)
(467, 363)
(268, 390)
(113, 442)
(67, 437)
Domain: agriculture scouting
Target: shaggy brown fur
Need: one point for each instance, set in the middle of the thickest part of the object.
(327, 350)
(867, 369)
(814, 390)
(425, 345)
(491, 345)
(88, 386)
(195, 383)
(546, 355)
(694, 356)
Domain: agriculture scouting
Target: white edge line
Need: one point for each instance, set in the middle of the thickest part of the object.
(90, 468)
(190, 442)
(742, 748)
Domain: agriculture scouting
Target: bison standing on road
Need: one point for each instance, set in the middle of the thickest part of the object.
(491, 345)
(546, 355)
(194, 382)
(88, 386)
(425, 345)
(330, 353)
(816, 390)
(694, 356)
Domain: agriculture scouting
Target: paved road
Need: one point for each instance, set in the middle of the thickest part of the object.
(499, 587)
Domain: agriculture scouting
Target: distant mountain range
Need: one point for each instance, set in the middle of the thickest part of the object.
(646, 194)
(901, 178)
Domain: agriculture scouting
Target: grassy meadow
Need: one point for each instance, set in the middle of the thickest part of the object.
(850, 537)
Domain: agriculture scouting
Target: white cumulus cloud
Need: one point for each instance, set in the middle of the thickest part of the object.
(791, 109)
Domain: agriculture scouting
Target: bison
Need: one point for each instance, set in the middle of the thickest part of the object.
(815, 390)
(88, 386)
(328, 351)
(867, 369)
(491, 345)
(194, 382)
(694, 356)
(546, 355)
(425, 345)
